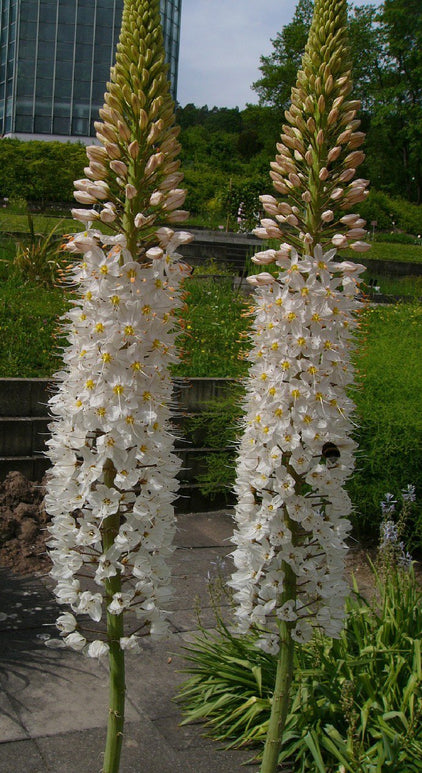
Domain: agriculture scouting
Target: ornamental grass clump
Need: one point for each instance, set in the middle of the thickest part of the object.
(296, 452)
(113, 478)
(356, 700)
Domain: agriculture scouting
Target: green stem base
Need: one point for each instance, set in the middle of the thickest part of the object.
(280, 704)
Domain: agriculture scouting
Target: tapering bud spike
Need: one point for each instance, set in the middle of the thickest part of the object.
(136, 130)
(318, 152)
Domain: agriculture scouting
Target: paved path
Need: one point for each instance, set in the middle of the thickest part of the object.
(53, 703)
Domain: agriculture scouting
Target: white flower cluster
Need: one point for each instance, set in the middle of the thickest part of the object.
(111, 417)
(296, 452)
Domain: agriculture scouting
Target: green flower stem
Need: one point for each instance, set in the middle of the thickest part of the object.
(116, 655)
(284, 675)
(116, 688)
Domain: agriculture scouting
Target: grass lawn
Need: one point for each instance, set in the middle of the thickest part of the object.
(408, 253)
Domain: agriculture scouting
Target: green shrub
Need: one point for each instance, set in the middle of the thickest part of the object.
(391, 214)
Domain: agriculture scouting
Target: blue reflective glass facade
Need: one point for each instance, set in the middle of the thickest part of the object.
(55, 61)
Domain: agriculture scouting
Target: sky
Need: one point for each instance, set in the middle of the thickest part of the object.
(221, 43)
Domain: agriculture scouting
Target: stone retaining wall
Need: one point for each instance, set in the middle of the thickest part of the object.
(24, 428)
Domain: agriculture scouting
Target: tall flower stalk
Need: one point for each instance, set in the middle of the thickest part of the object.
(113, 478)
(296, 451)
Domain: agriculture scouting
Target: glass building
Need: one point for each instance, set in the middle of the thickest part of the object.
(55, 61)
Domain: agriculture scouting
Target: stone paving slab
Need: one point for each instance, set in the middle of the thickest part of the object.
(53, 703)
(22, 757)
(196, 530)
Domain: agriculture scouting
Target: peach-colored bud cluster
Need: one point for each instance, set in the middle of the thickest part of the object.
(318, 153)
(133, 177)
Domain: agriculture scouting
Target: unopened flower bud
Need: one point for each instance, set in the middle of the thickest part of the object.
(355, 158)
(360, 246)
(339, 240)
(356, 140)
(347, 175)
(336, 194)
(154, 253)
(295, 180)
(140, 220)
(178, 216)
(332, 116)
(356, 233)
(327, 216)
(99, 189)
(133, 149)
(261, 233)
(323, 173)
(329, 83)
(107, 215)
(153, 163)
(270, 204)
(105, 132)
(156, 198)
(261, 279)
(321, 103)
(96, 153)
(124, 130)
(130, 191)
(84, 215)
(112, 150)
(264, 258)
(143, 119)
(284, 251)
(84, 198)
(119, 167)
(333, 154)
(349, 219)
(154, 132)
(174, 199)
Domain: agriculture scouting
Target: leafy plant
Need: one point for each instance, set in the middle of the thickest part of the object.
(357, 700)
(42, 259)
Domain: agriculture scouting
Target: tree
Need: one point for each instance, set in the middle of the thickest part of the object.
(399, 100)
(386, 55)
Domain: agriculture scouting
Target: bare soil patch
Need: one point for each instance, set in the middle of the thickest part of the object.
(23, 523)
